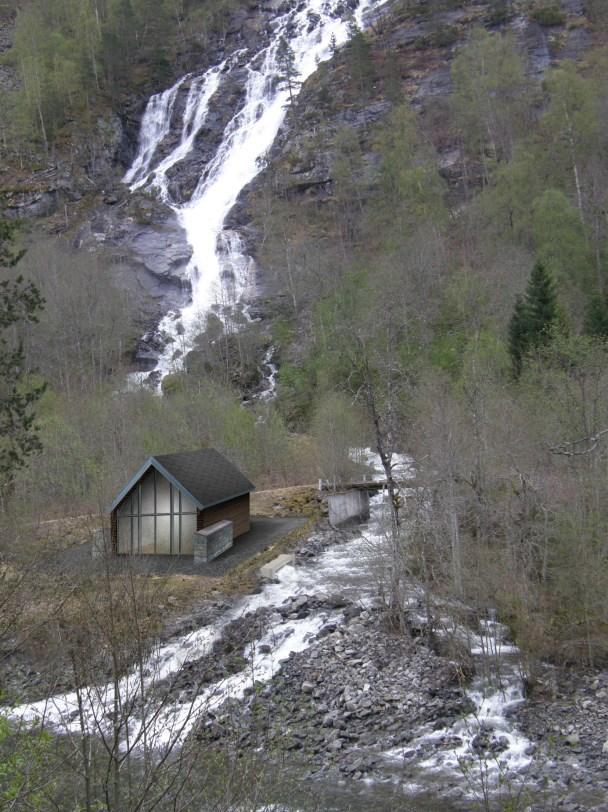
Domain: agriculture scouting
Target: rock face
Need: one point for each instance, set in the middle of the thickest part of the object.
(83, 191)
(82, 195)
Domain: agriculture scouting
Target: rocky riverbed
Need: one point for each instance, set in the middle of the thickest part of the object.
(565, 717)
(308, 673)
(358, 690)
(362, 690)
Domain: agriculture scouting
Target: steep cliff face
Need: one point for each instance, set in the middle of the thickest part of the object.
(412, 51)
(77, 191)
(421, 47)
(80, 192)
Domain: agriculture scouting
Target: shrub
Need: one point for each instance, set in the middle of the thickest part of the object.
(549, 15)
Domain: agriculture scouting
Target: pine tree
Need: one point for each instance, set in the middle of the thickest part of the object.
(333, 45)
(541, 305)
(534, 316)
(286, 63)
(360, 60)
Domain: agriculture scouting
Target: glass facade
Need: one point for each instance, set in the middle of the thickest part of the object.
(155, 518)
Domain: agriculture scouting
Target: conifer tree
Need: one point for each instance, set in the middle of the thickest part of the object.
(360, 59)
(534, 315)
(541, 304)
(286, 63)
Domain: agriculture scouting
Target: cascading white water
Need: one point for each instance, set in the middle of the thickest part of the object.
(239, 158)
(155, 126)
(271, 375)
(344, 566)
(435, 756)
(195, 113)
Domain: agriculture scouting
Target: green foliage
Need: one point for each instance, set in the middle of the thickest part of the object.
(20, 304)
(506, 206)
(337, 426)
(9, 255)
(93, 440)
(391, 75)
(359, 60)
(518, 335)
(570, 128)
(499, 11)
(410, 189)
(548, 14)
(25, 779)
(288, 71)
(534, 317)
(86, 326)
(73, 54)
(490, 98)
(560, 238)
(596, 318)
(442, 37)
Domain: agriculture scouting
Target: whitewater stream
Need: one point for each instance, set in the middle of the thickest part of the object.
(220, 272)
(437, 758)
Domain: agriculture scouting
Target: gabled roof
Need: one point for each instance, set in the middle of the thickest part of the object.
(205, 476)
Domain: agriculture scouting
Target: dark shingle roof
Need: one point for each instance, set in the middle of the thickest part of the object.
(206, 474)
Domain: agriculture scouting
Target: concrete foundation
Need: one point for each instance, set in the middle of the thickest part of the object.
(268, 571)
(212, 541)
(350, 506)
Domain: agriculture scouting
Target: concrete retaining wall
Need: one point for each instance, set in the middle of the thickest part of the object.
(212, 541)
(350, 506)
(269, 571)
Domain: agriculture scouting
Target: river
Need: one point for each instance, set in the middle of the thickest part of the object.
(469, 758)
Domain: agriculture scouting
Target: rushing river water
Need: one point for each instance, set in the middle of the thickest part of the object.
(220, 271)
(447, 757)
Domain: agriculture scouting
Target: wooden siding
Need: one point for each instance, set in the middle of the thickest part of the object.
(234, 510)
(114, 532)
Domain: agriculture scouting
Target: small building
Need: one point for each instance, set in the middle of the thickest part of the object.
(174, 495)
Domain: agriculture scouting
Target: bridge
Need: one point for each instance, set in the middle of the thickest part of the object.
(367, 485)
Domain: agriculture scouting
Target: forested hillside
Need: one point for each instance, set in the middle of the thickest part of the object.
(431, 235)
(430, 238)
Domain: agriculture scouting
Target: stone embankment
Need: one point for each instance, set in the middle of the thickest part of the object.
(358, 691)
(363, 689)
(566, 719)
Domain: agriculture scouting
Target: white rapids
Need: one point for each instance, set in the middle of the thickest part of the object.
(483, 752)
(219, 271)
(343, 567)
(354, 569)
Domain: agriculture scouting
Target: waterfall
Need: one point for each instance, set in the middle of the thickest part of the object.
(239, 158)
(155, 126)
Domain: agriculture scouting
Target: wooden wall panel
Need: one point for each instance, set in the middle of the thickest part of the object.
(114, 532)
(234, 510)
